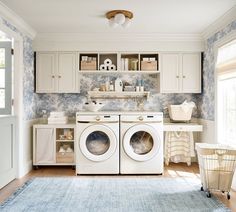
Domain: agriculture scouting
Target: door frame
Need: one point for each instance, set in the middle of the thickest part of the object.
(18, 94)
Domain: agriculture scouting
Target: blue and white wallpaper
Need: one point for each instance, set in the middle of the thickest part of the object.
(29, 97)
(74, 102)
(207, 104)
(35, 103)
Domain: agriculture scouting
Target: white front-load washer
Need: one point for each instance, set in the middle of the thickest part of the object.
(141, 144)
(97, 149)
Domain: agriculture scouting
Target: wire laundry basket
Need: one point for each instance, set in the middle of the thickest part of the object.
(217, 164)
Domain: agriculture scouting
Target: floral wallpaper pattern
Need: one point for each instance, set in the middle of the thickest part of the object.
(71, 103)
(207, 103)
(29, 97)
(35, 103)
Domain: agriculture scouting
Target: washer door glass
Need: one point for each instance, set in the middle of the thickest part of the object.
(98, 142)
(141, 142)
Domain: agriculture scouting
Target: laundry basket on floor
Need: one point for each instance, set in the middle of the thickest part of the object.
(217, 165)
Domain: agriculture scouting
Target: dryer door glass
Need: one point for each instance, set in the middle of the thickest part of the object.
(141, 142)
(97, 142)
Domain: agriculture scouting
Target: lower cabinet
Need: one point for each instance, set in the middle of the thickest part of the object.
(53, 144)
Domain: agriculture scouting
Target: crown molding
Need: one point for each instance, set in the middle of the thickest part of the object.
(220, 23)
(118, 42)
(107, 37)
(16, 20)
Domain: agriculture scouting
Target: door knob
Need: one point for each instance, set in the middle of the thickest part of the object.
(140, 118)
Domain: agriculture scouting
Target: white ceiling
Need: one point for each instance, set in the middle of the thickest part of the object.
(150, 16)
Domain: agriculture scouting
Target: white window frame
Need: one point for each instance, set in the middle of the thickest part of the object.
(227, 39)
(221, 77)
(7, 45)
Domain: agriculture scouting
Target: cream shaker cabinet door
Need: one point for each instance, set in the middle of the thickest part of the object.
(66, 72)
(191, 73)
(46, 68)
(170, 73)
(44, 149)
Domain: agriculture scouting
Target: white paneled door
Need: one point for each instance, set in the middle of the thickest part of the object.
(7, 147)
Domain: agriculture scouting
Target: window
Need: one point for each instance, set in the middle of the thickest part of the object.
(5, 77)
(226, 93)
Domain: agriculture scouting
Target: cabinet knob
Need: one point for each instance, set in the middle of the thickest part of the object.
(53, 76)
(177, 76)
(140, 118)
(59, 76)
(98, 118)
(184, 76)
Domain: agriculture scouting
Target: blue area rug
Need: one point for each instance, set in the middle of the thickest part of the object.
(129, 194)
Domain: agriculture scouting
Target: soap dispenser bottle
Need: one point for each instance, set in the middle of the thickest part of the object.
(118, 85)
(111, 86)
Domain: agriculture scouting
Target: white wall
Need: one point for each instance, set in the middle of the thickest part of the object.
(208, 134)
(26, 148)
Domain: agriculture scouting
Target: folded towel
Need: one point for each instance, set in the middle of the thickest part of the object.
(61, 120)
(56, 114)
(57, 119)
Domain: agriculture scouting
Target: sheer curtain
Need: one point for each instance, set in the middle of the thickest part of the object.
(226, 93)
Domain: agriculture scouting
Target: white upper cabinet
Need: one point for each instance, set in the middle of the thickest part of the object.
(170, 73)
(191, 73)
(46, 63)
(56, 72)
(66, 72)
(180, 72)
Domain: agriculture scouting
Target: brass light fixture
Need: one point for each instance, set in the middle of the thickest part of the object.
(119, 17)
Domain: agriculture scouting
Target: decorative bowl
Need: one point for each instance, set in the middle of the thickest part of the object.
(93, 106)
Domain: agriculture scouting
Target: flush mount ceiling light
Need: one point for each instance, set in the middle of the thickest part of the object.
(119, 17)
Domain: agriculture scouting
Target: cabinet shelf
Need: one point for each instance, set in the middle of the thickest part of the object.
(113, 94)
(117, 72)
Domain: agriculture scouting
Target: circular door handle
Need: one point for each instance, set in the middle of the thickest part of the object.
(184, 76)
(140, 118)
(177, 76)
(59, 76)
(98, 118)
(53, 76)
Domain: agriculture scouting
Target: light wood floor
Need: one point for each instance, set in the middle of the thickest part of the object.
(173, 170)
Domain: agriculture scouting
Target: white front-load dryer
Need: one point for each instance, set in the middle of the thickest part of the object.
(97, 149)
(141, 146)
